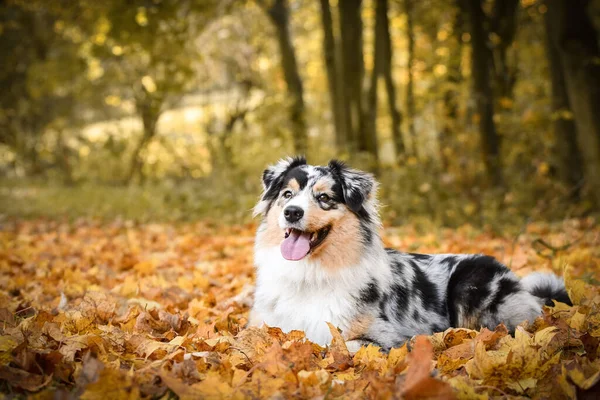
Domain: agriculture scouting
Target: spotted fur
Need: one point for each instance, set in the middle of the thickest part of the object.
(373, 294)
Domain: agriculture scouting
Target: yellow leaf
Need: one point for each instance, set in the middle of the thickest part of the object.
(522, 385)
(141, 17)
(149, 84)
(112, 385)
(577, 321)
(465, 390)
(7, 344)
(578, 290)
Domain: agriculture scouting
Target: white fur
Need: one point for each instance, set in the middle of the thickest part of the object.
(302, 200)
(541, 279)
(304, 295)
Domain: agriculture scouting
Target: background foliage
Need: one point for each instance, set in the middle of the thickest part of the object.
(173, 108)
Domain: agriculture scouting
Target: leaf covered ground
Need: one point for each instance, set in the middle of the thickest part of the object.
(123, 310)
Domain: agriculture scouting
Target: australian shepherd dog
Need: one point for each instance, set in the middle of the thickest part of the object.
(320, 258)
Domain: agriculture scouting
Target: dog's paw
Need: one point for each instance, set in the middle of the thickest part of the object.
(355, 345)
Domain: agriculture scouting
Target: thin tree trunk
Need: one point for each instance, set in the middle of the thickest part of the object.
(504, 25)
(386, 70)
(451, 94)
(353, 64)
(568, 156)
(574, 34)
(379, 59)
(410, 96)
(482, 90)
(64, 160)
(149, 110)
(333, 80)
(279, 14)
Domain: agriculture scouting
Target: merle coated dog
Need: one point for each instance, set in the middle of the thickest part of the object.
(320, 258)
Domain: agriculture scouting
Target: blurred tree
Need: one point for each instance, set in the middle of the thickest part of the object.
(41, 77)
(387, 54)
(278, 11)
(382, 67)
(335, 78)
(148, 53)
(351, 31)
(410, 87)
(503, 26)
(451, 92)
(481, 64)
(576, 39)
(568, 156)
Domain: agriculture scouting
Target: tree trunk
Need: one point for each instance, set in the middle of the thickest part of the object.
(410, 96)
(451, 96)
(380, 57)
(279, 14)
(353, 64)
(149, 110)
(386, 71)
(574, 34)
(568, 156)
(333, 79)
(482, 90)
(64, 158)
(504, 25)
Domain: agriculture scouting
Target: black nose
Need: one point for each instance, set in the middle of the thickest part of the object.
(293, 213)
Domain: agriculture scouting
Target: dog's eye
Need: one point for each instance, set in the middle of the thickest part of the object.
(323, 198)
(287, 194)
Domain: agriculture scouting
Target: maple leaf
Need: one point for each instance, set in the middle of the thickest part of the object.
(341, 356)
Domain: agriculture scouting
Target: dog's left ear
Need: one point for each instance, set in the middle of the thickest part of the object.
(357, 185)
(274, 173)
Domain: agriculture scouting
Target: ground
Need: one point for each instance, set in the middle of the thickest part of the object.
(122, 310)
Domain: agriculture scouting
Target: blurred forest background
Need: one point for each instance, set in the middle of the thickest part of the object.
(479, 111)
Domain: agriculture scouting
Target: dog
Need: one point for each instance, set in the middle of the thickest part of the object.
(319, 258)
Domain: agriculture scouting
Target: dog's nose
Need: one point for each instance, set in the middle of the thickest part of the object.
(293, 213)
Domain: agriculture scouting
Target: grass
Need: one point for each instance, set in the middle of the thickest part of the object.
(230, 198)
(158, 202)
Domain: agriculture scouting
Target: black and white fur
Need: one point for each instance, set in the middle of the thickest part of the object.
(383, 296)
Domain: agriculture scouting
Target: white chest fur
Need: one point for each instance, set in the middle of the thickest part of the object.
(303, 295)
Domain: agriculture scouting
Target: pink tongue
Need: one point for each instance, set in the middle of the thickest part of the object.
(296, 246)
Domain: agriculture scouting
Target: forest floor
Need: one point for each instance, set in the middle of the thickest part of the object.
(121, 310)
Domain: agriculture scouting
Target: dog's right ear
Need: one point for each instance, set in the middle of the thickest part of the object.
(272, 180)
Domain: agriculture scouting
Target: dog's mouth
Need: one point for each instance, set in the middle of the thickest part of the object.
(297, 244)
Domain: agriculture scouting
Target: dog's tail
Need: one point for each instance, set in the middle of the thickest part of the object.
(547, 287)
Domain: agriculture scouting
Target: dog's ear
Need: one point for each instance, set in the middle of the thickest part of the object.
(272, 180)
(274, 174)
(357, 185)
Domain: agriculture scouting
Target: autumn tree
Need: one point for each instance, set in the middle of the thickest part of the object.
(335, 78)
(410, 52)
(568, 156)
(382, 68)
(43, 79)
(574, 37)
(279, 14)
(351, 43)
(149, 53)
(483, 94)
(502, 30)
(451, 92)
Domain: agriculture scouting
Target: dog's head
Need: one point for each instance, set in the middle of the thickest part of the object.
(317, 211)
